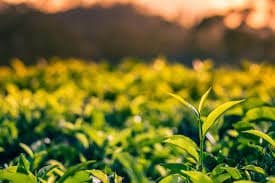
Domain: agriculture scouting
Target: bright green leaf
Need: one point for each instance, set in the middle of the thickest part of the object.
(100, 175)
(234, 172)
(83, 139)
(260, 113)
(222, 177)
(255, 169)
(196, 176)
(72, 170)
(170, 179)
(261, 135)
(190, 106)
(216, 113)
(27, 149)
(203, 99)
(185, 143)
(118, 179)
(16, 177)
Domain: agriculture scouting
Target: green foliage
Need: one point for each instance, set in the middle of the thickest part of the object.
(261, 135)
(60, 114)
(216, 113)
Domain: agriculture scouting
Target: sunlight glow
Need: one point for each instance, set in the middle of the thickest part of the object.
(182, 11)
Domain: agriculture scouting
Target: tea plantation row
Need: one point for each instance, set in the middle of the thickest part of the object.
(72, 121)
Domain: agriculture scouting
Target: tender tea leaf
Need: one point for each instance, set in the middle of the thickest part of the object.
(100, 175)
(203, 99)
(194, 110)
(16, 177)
(255, 169)
(243, 181)
(196, 176)
(23, 165)
(184, 143)
(72, 170)
(234, 172)
(170, 179)
(216, 113)
(42, 180)
(83, 139)
(260, 113)
(118, 179)
(222, 177)
(27, 149)
(132, 168)
(261, 135)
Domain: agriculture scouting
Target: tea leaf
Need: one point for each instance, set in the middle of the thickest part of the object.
(100, 175)
(203, 99)
(184, 143)
(23, 165)
(134, 171)
(16, 177)
(27, 149)
(254, 169)
(261, 135)
(260, 113)
(190, 106)
(170, 179)
(74, 169)
(196, 176)
(118, 179)
(234, 172)
(216, 113)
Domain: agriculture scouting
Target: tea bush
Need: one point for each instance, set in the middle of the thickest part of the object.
(73, 121)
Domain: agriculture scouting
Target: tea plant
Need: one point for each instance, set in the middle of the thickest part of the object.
(62, 113)
(197, 174)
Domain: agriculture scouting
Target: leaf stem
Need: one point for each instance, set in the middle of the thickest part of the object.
(201, 145)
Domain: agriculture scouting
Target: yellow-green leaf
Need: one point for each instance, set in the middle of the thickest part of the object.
(216, 113)
(190, 106)
(261, 135)
(170, 179)
(100, 175)
(83, 139)
(234, 172)
(197, 176)
(203, 98)
(27, 149)
(254, 169)
(185, 143)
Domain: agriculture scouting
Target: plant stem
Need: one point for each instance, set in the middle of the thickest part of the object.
(201, 146)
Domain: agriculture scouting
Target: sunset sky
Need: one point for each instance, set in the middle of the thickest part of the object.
(178, 10)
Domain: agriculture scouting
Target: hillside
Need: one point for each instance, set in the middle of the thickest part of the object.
(121, 31)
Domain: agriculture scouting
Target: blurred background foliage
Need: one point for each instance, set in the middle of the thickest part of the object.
(71, 111)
